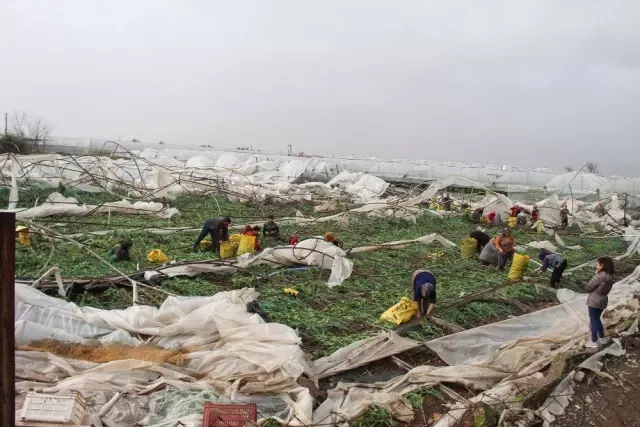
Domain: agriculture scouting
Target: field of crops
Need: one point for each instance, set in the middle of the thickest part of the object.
(326, 319)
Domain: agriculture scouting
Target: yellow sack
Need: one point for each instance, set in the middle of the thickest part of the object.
(400, 313)
(23, 235)
(227, 250)
(234, 239)
(468, 247)
(246, 245)
(158, 256)
(512, 222)
(540, 226)
(518, 266)
(291, 291)
(205, 243)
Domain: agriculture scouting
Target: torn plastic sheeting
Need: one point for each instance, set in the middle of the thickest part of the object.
(57, 204)
(361, 353)
(507, 393)
(532, 336)
(349, 401)
(309, 252)
(400, 244)
(631, 236)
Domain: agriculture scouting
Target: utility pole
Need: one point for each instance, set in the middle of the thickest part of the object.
(6, 120)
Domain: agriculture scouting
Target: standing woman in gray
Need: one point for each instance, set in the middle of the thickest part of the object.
(599, 287)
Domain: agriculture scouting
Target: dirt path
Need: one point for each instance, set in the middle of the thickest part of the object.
(603, 402)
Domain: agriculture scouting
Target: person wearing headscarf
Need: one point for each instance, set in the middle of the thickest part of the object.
(499, 250)
(554, 261)
(423, 290)
(331, 238)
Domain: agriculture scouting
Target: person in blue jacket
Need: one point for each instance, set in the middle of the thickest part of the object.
(423, 290)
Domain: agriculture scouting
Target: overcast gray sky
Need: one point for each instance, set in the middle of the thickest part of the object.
(539, 83)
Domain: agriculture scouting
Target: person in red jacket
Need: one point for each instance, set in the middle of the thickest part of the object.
(255, 232)
(294, 239)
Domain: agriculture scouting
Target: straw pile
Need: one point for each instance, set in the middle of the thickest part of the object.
(110, 352)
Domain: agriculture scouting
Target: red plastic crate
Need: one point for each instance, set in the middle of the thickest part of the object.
(225, 415)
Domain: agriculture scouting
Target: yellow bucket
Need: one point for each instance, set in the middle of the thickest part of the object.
(512, 221)
(227, 250)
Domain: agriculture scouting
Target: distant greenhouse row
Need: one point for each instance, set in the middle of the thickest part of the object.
(503, 178)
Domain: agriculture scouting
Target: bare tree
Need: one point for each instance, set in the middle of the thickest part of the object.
(568, 169)
(35, 130)
(591, 167)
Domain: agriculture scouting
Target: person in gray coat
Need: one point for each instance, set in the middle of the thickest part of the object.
(599, 287)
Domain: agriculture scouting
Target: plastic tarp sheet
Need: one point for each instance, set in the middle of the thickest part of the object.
(57, 204)
(310, 252)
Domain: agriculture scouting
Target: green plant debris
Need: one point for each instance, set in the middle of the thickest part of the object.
(326, 319)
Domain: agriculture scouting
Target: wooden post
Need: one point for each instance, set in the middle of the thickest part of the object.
(7, 319)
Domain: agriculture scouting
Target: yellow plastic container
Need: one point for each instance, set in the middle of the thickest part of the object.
(512, 222)
(518, 267)
(468, 247)
(246, 245)
(400, 313)
(227, 250)
(235, 239)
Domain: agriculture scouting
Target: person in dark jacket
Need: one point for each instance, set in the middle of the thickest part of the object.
(121, 251)
(481, 238)
(564, 217)
(476, 215)
(271, 228)
(218, 229)
(555, 261)
(423, 291)
(599, 287)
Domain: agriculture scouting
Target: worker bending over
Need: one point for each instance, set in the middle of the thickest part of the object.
(423, 289)
(555, 261)
(218, 229)
(499, 250)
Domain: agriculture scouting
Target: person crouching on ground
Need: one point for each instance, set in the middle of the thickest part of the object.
(599, 287)
(499, 250)
(331, 238)
(555, 261)
(255, 232)
(270, 228)
(482, 239)
(423, 290)
(121, 251)
(476, 215)
(294, 239)
(218, 230)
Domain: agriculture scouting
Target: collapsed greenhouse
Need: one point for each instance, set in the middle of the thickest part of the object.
(297, 329)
